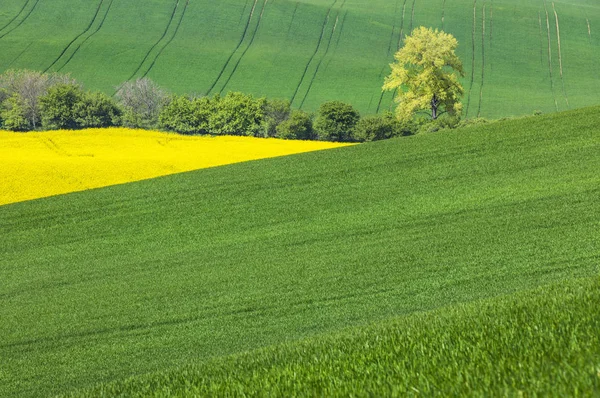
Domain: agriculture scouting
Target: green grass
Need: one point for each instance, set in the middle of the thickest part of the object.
(313, 50)
(150, 276)
(543, 342)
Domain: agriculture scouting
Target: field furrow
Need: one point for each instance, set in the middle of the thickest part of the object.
(22, 20)
(252, 37)
(314, 54)
(550, 55)
(472, 79)
(168, 41)
(87, 28)
(312, 80)
(239, 44)
(88, 37)
(482, 59)
(164, 34)
(560, 58)
(16, 16)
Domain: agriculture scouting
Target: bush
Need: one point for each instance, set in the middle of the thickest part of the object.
(57, 106)
(238, 114)
(142, 102)
(336, 121)
(187, 116)
(381, 127)
(297, 127)
(13, 114)
(26, 88)
(97, 110)
(275, 113)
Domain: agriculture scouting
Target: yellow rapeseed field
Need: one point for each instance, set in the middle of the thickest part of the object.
(40, 164)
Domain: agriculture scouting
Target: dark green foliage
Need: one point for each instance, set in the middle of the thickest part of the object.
(58, 106)
(275, 112)
(13, 113)
(544, 342)
(381, 127)
(297, 127)
(97, 109)
(336, 121)
(151, 276)
(238, 114)
(187, 116)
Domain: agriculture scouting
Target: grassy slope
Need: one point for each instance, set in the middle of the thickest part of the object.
(113, 282)
(316, 49)
(542, 342)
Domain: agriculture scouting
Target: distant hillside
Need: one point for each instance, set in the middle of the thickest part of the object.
(520, 56)
(150, 276)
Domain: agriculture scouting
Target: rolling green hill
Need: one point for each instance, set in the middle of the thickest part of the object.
(111, 283)
(519, 56)
(543, 342)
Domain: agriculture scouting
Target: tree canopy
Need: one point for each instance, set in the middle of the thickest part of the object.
(426, 75)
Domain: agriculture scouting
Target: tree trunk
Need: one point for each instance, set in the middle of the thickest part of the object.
(434, 107)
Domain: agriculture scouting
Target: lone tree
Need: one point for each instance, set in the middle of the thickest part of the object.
(425, 75)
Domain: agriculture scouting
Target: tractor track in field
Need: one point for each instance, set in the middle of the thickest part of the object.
(412, 16)
(19, 56)
(443, 13)
(400, 37)
(23, 20)
(312, 80)
(292, 20)
(550, 56)
(472, 58)
(155, 44)
(76, 37)
(87, 38)
(382, 93)
(541, 40)
(339, 37)
(389, 50)
(237, 64)
(589, 29)
(168, 41)
(243, 12)
(482, 60)
(15, 17)
(315, 52)
(560, 63)
(244, 33)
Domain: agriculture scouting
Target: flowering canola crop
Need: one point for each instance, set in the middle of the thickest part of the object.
(40, 164)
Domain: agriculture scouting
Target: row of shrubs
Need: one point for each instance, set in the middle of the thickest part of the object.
(32, 101)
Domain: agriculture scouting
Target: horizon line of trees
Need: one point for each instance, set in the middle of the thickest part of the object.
(31, 100)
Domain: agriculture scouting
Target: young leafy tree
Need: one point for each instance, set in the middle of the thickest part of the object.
(336, 121)
(58, 106)
(298, 126)
(426, 74)
(141, 100)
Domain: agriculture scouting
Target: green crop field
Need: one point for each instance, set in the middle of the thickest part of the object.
(519, 55)
(435, 230)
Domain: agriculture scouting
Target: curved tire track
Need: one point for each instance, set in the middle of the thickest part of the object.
(262, 11)
(234, 50)
(472, 58)
(562, 79)
(170, 40)
(23, 20)
(156, 43)
(312, 80)
(89, 37)
(482, 60)
(550, 56)
(76, 37)
(315, 52)
(16, 16)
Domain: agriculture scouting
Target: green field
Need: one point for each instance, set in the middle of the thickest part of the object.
(520, 55)
(153, 276)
